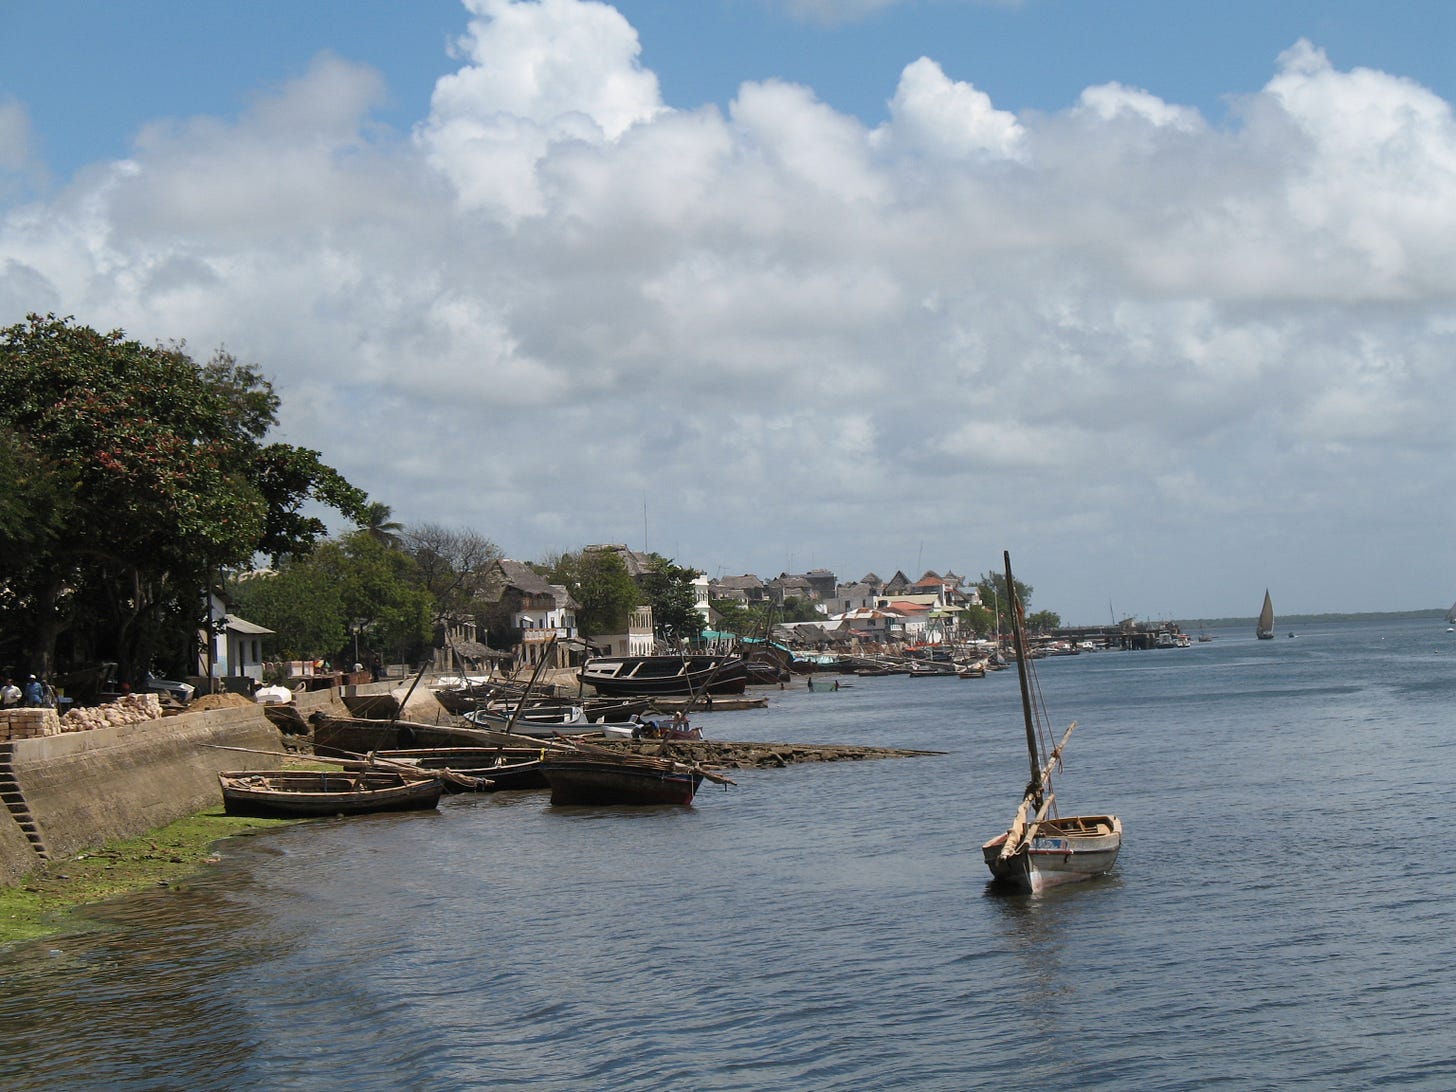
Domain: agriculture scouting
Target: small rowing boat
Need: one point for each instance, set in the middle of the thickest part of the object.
(305, 793)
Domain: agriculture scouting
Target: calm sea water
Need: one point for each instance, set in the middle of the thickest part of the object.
(1282, 913)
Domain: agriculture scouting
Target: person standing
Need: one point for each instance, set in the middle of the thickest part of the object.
(10, 694)
(34, 695)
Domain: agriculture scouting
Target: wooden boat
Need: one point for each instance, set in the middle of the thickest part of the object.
(1042, 849)
(351, 734)
(304, 793)
(604, 779)
(504, 768)
(650, 675)
(931, 669)
(1265, 629)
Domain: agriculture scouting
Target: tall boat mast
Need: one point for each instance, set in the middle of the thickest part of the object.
(1018, 638)
(1042, 848)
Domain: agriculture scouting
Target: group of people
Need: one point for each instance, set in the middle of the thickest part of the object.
(35, 694)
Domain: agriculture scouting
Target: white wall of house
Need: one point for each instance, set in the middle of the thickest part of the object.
(540, 627)
(637, 641)
(235, 652)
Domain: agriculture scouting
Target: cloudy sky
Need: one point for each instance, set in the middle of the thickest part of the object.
(1160, 297)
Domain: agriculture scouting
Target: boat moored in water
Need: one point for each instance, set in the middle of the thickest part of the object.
(1042, 849)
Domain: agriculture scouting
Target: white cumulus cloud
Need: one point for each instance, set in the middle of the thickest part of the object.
(559, 298)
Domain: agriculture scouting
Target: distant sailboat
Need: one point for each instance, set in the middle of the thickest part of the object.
(1265, 630)
(1451, 614)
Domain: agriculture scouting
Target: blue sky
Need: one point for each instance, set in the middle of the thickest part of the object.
(1157, 295)
(91, 73)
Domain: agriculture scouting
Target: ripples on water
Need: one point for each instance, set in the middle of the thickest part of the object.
(1281, 913)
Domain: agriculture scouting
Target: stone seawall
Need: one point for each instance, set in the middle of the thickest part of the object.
(69, 792)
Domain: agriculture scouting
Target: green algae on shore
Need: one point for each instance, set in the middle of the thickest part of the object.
(44, 903)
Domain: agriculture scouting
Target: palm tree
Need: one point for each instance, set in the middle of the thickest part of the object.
(375, 522)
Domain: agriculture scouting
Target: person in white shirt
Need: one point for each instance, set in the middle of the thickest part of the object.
(10, 694)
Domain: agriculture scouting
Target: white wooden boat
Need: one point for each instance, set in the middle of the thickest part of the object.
(1042, 849)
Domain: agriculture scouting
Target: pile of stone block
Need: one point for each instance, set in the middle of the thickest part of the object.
(127, 709)
(19, 723)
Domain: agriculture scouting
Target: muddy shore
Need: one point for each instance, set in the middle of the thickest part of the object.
(730, 755)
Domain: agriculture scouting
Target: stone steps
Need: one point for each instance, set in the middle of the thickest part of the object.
(14, 800)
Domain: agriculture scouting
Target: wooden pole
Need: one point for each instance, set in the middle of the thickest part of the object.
(1018, 636)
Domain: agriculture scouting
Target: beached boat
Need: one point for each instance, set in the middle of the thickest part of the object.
(616, 675)
(351, 735)
(1265, 629)
(550, 724)
(605, 779)
(502, 768)
(1042, 849)
(304, 793)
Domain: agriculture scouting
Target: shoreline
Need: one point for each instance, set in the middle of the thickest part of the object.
(50, 901)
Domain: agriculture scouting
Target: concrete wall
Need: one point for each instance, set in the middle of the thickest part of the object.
(86, 788)
(16, 856)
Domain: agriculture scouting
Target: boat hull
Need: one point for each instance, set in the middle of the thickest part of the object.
(592, 781)
(1086, 846)
(303, 794)
(655, 675)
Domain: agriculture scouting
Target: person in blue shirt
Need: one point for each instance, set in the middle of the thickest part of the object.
(33, 692)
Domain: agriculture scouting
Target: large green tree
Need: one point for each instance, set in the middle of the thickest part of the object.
(347, 590)
(742, 619)
(598, 580)
(301, 603)
(992, 587)
(142, 475)
(384, 600)
(668, 588)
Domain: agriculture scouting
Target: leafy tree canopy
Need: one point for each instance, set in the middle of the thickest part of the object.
(668, 588)
(1043, 620)
(992, 587)
(383, 596)
(301, 603)
(798, 609)
(141, 475)
(738, 618)
(598, 580)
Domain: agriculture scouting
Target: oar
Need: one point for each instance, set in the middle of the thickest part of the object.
(405, 770)
(354, 759)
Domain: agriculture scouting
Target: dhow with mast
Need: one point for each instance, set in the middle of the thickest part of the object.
(1043, 849)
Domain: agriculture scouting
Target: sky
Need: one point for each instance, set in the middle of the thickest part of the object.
(1160, 297)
